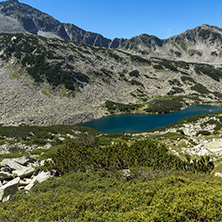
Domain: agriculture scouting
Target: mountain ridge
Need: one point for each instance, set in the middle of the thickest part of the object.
(71, 82)
(34, 21)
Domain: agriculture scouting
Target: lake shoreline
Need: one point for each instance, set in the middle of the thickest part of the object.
(130, 122)
(148, 113)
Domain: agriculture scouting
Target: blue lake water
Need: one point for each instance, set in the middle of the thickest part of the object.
(141, 122)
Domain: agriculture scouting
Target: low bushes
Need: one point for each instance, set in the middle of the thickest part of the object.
(115, 107)
(166, 105)
(121, 156)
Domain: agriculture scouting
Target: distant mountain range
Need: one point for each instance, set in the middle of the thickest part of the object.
(46, 80)
(202, 43)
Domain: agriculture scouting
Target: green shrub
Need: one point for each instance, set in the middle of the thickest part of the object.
(203, 132)
(187, 79)
(175, 90)
(200, 89)
(139, 59)
(121, 156)
(134, 73)
(166, 105)
(209, 70)
(175, 82)
(135, 82)
(113, 106)
(93, 197)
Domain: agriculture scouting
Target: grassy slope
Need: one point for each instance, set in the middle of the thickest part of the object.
(96, 197)
(151, 195)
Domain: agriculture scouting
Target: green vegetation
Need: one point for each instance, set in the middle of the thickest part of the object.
(209, 70)
(121, 156)
(183, 46)
(175, 90)
(107, 72)
(187, 79)
(41, 135)
(182, 65)
(193, 52)
(158, 67)
(200, 89)
(165, 63)
(203, 132)
(135, 82)
(95, 197)
(120, 107)
(166, 105)
(139, 59)
(205, 34)
(175, 82)
(34, 55)
(134, 73)
(94, 188)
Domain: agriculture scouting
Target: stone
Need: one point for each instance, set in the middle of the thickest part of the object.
(21, 188)
(217, 174)
(47, 146)
(32, 184)
(11, 163)
(42, 176)
(24, 183)
(7, 198)
(37, 163)
(24, 160)
(9, 189)
(5, 175)
(127, 174)
(31, 134)
(24, 172)
(6, 169)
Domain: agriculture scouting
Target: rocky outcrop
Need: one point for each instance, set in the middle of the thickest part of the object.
(10, 188)
(205, 148)
(42, 176)
(20, 173)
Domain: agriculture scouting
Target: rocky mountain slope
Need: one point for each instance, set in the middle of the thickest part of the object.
(201, 44)
(70, 82)
(30, 20)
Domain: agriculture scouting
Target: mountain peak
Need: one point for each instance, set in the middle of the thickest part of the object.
(204, 26)
(13, 1)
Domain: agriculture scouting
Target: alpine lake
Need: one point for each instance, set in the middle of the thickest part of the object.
(127, 123)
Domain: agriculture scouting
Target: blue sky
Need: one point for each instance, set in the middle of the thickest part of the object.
(128, 18)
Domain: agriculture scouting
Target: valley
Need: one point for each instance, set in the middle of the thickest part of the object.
(56, 76)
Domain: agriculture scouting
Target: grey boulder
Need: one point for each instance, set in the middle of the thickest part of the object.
(10, 188)
(24, 172)
(5, 175)
(38, 179)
